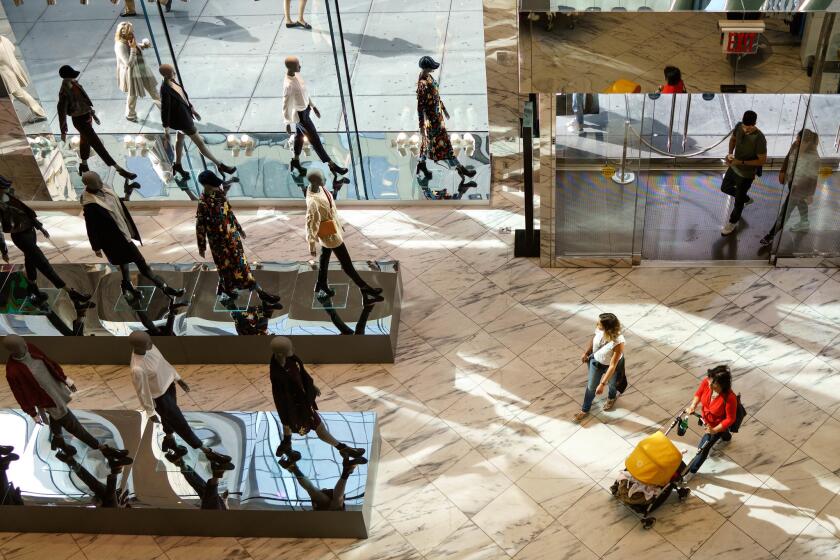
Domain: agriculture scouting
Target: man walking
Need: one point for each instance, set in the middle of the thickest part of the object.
(747, 153)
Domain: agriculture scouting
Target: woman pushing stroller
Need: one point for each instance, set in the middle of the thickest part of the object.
(720, 409)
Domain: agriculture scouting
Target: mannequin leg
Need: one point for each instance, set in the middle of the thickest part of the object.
(34, 258)
(24, 97)
(84, 126)
(343, 257)
(287, 8)
(298, 146)
(319, 499)
(323, 267)
(179, 147)
(325, 435)
(202, 147)
(301, 8)
(70, 423)
(131, 107)
(153, 93)
(308, 127)
(172, 418)
(143, 268)
(337, 502)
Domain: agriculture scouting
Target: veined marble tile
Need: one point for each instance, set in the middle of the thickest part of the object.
(826, 299)
(805, 483)
(516, 383)
(396, 479)
(580, 328)
(701, 352)
(729, 282)
(731, 542)
(814, 542)
(483, 302)
(514, 449)
(449, 277)
(829, 517)
(512, 520)
(555, 483)
(598, 520)
(419, 301)
(383, 542)
(550, 415)
(519, 278)
(635, 417)
(758, 449)
(612, 449)
(766, 302)
(668, 385)
(791, 416)
(641, 544)
(556, 542)
(434, 448)
(771, 520)
(736, 328)
(517, 328)
(287, 549)
(472, 483)
(441, 384)
(446, 328)
(798, 282)
(554, 356)
(808, 328)
(664, 329)
(215, 548)
(661, 283)
(819, 383)
(467, 543)
(479, 355)
(413, 355)
(427, 518)
(722, 483)
(478, 414)
(627, 301)
(486, 253)
(32, 546)
(755, 386)
(106, 547)
(777, 355)
(821, 446)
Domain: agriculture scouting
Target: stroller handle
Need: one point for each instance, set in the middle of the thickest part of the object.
(679, 416)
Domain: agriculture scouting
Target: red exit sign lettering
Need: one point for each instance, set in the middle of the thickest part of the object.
(738, 42)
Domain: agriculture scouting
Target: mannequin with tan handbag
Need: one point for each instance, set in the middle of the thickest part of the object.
(324, 227)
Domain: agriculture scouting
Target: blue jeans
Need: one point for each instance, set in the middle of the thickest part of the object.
(596, 370)
(704, 449)
(578, 101)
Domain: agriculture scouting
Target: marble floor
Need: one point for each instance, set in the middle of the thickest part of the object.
(383, 40)
(480, 457)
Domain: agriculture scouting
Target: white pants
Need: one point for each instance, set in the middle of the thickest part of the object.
(131, 101)
(24, 97)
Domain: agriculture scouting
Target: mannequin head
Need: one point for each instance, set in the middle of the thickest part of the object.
(428, 65)
(167, 71)
(316, 180)
(140, 342)
(15, 345)
(282, 348)
(92, 181)
(292, 65)
(68, 73)
(125, 33)
(210, 181)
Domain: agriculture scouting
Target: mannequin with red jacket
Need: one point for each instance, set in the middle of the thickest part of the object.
(43, 391)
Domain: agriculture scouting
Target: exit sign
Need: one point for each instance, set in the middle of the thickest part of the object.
(740, 42)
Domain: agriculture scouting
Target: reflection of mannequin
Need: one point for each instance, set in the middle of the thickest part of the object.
(253, 320)
(74, 102)
(216, 225)
(177, 112)
(21, 221)
(133, 76)
(104, 495)
(207, 491)
(294, 394)
(325, 499)
(9, 493)
(168, 328)
(39, 385)
(110, 230)
(339, 322)
(16, 80)
(154, 380)
(320, 213)
(296, 108)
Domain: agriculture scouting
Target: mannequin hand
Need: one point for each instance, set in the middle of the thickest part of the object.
(95, 118)
(316, 111)
(38, 420)
(64, 137)
(98, 254)
(72, 387)
(6, 257)
(446, 114)
(154, 419)
(196, 115)
(184, 386)
(288, 129)
(782, 177)
(46, 233)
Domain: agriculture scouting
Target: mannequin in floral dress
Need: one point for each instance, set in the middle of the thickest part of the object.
(216, 225)
(435, 143)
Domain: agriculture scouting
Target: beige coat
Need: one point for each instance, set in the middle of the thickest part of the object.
(321, 207)
(133, 76)
(12, 73)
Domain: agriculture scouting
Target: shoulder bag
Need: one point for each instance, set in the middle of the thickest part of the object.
(327, 228)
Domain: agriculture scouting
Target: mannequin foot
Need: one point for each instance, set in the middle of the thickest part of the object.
(350, 452)
(131, 294)
(6, 459)
(6, 449)
(36, 296)
(63, 446)
(169, 444)
(465, 171)
(218, 469)
(131, 118)
(288, 462)
(305, 24)
(109, 451)
(337, 169)
(421, 168)
(215, 457)
(119, 462)
(285, 447)
(352, 463)
(65, 457)
(173, 292)
(177, 168)
(226, 169)
(324, 291)
(174, 458)
(78, 297)
(268, 298)
(295, 165)
(126, 174)
(83, 168)
(371, 294)
(35, 119)
(128, 14)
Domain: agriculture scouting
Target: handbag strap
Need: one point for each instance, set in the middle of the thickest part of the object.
(329, 198)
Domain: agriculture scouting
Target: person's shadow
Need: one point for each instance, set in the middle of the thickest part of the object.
(380, 47)
(226, 29)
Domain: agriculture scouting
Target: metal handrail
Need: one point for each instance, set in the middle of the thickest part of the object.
(669, 154)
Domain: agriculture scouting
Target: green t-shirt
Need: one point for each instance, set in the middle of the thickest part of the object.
(748, 147)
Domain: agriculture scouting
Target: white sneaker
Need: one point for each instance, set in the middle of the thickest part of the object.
(801, 227)
(728, 228)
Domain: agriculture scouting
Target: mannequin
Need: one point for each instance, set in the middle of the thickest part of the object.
(104, 495)
(9, 493)
(154, 380)
(74, 102)
(207, 491)
(176, 112)
(16, 80)
(431, 112)
(297, 106)
(216, 225)
(325, 499)
(133, 76)
(320, 208)
(21, 221)
(294, 394)
(43, 391)
(110, 230)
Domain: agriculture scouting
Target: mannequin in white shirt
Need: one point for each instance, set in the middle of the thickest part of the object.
(154, 380)
(297, 105)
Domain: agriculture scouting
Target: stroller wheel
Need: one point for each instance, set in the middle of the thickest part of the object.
(648, 522)
(683, 493)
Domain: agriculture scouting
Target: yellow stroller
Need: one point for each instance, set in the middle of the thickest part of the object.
(652, 472)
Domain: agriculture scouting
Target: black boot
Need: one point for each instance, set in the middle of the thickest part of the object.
(65, 457)
(119, 461)
(218, 469)
(214, 456)
(80, 301)
(464, 186)
(371, 294)
(465, 171)
(6, 449)
(83, 167)
(269, 298)
(36, 296)
(125, 174)
(111, 452)
(226, 169)
(295, 165)
(168, 6)
(176, 168)
(324, 291)
(288, 462)
(421, 168)
(337, 169)
(173, 292)
(350, 452)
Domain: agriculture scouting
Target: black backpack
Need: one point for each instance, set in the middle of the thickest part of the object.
(740, 414)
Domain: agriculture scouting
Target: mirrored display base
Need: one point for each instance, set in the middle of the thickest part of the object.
(343, 328)
(256, 498)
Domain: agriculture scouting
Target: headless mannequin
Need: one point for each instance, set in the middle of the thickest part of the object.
(207, 491)
(9, 494)
(141, 343)
(325, 500)
(18, 350)
(283, 352)
(168, 73)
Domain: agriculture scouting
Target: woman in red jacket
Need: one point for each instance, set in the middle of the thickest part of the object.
(720, 406)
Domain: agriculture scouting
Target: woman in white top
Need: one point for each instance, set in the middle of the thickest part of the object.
(324, 227)
(605, 356)
(133, 76)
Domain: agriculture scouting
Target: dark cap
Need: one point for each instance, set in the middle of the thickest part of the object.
(428, 63)
(4, 183)
(68, 73)
(749, 118)
(207, 177)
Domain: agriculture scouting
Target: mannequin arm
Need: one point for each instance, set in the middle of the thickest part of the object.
(4, 251)
(200, 230)
(313, 221)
